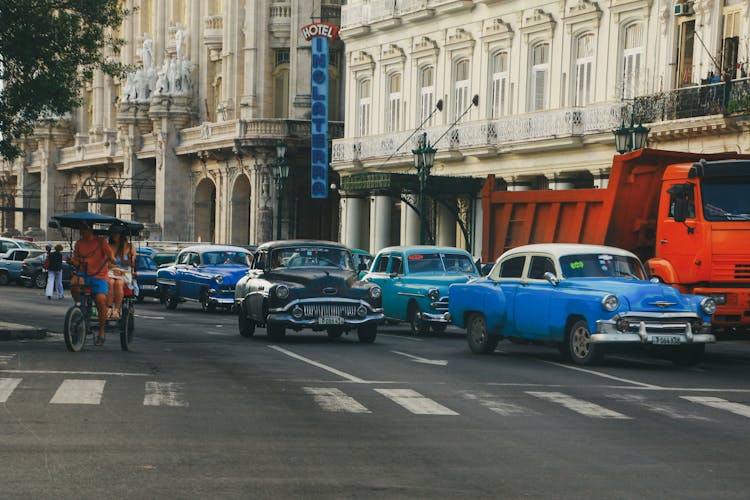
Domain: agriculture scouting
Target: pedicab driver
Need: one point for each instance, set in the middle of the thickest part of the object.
(91, 256)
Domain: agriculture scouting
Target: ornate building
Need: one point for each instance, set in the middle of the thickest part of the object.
(187, 142)
(553, 79)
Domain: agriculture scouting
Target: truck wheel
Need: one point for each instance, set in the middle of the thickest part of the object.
(366, 333)
(689, 355)
(480, 340)
(247, 326)
(275, 331)
(580, 348)
(40, 280)
(418, 327)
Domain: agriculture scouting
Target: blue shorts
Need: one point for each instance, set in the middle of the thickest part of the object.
(97, 285)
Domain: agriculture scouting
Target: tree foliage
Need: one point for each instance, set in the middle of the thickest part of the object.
(48, 49)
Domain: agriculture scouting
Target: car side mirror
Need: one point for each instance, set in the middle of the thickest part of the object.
(394, 275)
(655, 280)
(551, 278)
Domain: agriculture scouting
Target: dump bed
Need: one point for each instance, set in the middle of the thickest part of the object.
(621, 215)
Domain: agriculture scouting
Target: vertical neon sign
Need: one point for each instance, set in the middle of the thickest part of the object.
(320, 34)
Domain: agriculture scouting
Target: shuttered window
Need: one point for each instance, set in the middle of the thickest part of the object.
(460, 88)
(584, 68)
(426, 93)
(364, 102)
(632, 60)
(499, 84)
(539, 77)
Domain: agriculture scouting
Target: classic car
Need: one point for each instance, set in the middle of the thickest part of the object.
(586, 299)
(33, 274)
(362, 261)
(7, 244)
(415, 283)
(307, 284)
(11, 263)
(145, 269)
(203, 273)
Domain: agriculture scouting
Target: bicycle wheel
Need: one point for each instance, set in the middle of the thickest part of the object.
(127, 326)
(76, 329)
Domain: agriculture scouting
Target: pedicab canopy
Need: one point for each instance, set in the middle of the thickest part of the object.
(99, 223)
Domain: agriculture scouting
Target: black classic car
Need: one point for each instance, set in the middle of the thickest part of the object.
(33, 273)
(307, 284)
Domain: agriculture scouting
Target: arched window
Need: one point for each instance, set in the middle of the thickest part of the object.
(584, 53)
(499, 84)
(461, 84)
(539, 77)
(426, 93)
(632, 58)
(364, 102)
(393, 109)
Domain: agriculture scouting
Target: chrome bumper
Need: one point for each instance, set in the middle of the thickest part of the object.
(324, 313)
(225, 301)
(288, 319)
(440, 318)
(648, 333)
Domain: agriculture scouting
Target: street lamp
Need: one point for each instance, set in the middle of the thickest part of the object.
(424, 158)
(280, 171)
(631, 138)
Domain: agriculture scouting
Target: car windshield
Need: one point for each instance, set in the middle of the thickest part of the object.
(28, 244)
(601, 265)
(143, 262)
(312, 256)
(727, 200)
(224, 258)
(437, 262)
(164, 258)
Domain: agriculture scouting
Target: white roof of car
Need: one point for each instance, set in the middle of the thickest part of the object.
(559, 249)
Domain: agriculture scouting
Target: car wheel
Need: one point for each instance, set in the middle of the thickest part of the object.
(247, 326)
(480, 340)
(4, 280)
(689, 355)
(40, 280)
(275, 331)
(366, 333)
(171, 302)
(206, 304)
(335, 332)
(580, 348)
(418, 327)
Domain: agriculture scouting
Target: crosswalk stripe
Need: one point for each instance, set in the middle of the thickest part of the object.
(496, 405)
(721, 404)
(332, 399)
(82, 392)
(7, 386)
(415, 402)
(657, 407)
(577, 405)
(164, 394)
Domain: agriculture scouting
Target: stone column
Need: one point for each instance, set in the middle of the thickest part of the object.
(409, 221)
(50, 136)
(446, 226)
(352, 211)
(380, 222)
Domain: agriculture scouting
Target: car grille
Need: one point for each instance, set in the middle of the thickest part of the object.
(441, 305)
(320, 310)
(655, 325)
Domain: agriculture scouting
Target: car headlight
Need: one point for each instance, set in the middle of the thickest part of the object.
(433, 294)
(708, 305)
(375, 292)
(610, 303)
(282, 292)
(219, 279)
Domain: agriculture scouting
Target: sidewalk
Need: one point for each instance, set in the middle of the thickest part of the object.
(14, 331)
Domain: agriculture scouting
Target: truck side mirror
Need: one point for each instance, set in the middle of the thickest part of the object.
(680, 195)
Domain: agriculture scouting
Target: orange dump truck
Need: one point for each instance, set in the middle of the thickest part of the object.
(686, 215)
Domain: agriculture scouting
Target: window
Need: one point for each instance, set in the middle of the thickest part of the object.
(685, 45)
(364, 101)
(381, 265)
(539, 77)
(460, 87)
(397, 264)
(584, 67)
(513, 267)
(393, 110)
(261, 260)
(499, 84)
(632, 55)
(730, 42)
(426, 94)
(539, 266)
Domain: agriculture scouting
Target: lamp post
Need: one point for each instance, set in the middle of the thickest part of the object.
(280, 171)
(631, 138)
(424, 158)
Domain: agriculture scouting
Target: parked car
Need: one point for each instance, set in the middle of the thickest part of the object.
(415, 283)
(7, 244)
(586, 299)
(164, 258)
(11, 263)
(203, 273)
(145, 268)
(33, 274)
(307, 284)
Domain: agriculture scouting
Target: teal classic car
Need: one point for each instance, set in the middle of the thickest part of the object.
(415, 281)
(11, 264)
(585, 299)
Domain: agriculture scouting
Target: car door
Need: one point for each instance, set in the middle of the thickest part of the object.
(533, 296)
(508, 274)
(394, 302)
(180, 269)
(379, 275)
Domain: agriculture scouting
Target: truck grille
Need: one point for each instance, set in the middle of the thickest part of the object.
(319, 310)
(729, 269)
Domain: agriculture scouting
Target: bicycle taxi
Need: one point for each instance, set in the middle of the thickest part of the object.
(82, 317)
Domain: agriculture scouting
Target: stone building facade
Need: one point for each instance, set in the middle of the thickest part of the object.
(186, 143)
(553, 79)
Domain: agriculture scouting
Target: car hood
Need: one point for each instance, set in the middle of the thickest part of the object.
(641, 295)
(315, 279)
(231, 274)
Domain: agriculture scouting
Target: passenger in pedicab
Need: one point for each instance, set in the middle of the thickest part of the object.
(91, 257)
(120, 271)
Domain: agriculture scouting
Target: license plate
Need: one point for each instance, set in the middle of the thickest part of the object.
(666, 339)
(330, 320)
(148, 287)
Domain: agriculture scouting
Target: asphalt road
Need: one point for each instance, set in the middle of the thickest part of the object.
(195, 410)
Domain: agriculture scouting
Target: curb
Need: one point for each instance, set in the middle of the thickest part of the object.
(13, 331)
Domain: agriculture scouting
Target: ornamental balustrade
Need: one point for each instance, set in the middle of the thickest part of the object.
(377, 10)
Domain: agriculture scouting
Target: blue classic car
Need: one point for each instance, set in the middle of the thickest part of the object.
(205, 274)
(145, 268)
(415, 283)
(583, 298)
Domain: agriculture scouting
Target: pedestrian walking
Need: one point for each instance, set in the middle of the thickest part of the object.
(54, 273)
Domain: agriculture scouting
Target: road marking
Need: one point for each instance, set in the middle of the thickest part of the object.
(332, 399)
(399, 337)
(164, 394)
(721, 404)
(497, 405)
(81, 392)
(57, 372)
(577, 405)
(417, 359)
(659, 408)
(220, 334)
(5, 358)
(415, 402)
(148, 317)
(7, 386)
(599, 374)
(309, 361)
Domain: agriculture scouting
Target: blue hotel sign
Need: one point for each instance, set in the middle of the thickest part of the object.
(320, 34)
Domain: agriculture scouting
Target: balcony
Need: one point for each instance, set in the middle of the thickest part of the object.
(280, 22)
(213, 30)
(357, 18)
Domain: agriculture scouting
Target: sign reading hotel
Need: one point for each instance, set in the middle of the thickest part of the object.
(320, 34)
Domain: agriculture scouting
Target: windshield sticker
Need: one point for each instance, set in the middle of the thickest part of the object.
(416, 256)
(576, 265)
